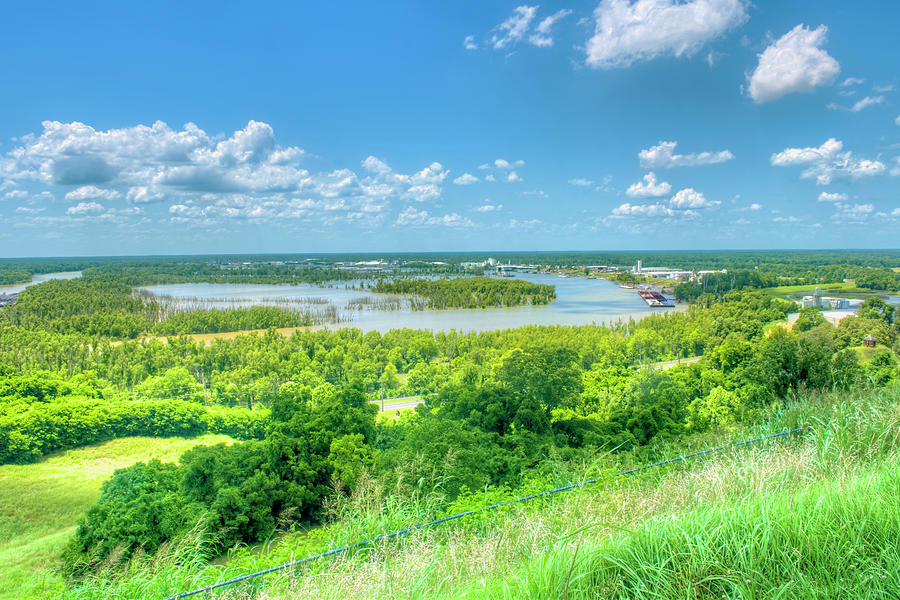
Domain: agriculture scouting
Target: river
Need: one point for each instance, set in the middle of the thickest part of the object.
(18, 287)
(580, 301)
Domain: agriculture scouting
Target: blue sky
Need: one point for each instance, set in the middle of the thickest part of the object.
(278, 127)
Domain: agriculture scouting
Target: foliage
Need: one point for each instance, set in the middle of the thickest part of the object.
(469, 292)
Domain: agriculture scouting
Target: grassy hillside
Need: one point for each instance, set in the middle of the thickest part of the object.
(815, 516)
(40, 504)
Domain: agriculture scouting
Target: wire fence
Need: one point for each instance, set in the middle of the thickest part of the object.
(460, 515)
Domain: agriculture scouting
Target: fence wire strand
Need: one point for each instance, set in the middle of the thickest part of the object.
(460, 515)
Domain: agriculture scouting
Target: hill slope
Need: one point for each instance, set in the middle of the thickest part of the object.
(812, 516)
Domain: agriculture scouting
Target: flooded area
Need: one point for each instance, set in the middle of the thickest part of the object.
(18, 287)
(580, 301)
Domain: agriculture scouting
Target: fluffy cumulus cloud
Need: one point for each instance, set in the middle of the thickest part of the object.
(685, 204)
(628, 31)
(466, 179)
(690, 198)
(523, 25)
(827, 162)
(205, 178)
(85, 208)
(581, 182)
(663, 156)
(649, 187)
(469, 43)
(90, 192)
(793, 63)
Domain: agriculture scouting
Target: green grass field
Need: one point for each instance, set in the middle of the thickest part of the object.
(848, 290)
(40, 504)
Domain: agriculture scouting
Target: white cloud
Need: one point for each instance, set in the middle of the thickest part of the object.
(502, 163)
(85, 208)
(755, 206)
(790, 219)
(490, 177)
(649, 187)
(26, 210)
(897, 120)
(662, 156)
(690, 198)
(540, 37)
(15, 195)
(832, 197)
(142, 194)
(524, 224)
(682, 205)
(488, 208)
(794, 63)
(649, 210)
(242, 175)
(856, 212)
(513, 177)
(469, 43)
(518, 28)
(895, 212)
(466, 179)
(626, 32)
(867, 102)
(581, 182)
(514, 28)
(896, 170)
(861, 104)
(90, 192)
(827, 162)
(851, 81)
(883, 88)
(420, 218)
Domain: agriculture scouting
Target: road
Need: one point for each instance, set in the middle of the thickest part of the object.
(399, 403)
(668, 364)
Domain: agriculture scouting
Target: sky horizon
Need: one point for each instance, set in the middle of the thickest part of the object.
(652, 125)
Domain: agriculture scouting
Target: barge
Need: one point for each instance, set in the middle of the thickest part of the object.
(655, 299)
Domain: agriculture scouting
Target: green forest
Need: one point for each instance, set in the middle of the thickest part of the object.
(503, 410)
(469, 292)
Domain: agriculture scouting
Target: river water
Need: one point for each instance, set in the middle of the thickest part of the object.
(580, 301)
(15, 289)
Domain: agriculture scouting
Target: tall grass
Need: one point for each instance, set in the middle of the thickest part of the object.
(816, 516)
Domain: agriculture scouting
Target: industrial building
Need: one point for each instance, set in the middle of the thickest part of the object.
(817, 300)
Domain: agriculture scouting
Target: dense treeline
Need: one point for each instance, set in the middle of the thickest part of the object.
(772, 275)
(105, 307)
(469, 292)
(41, 413)
(215, 320)
(236, 493)
(11, 276)
(80, 305)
